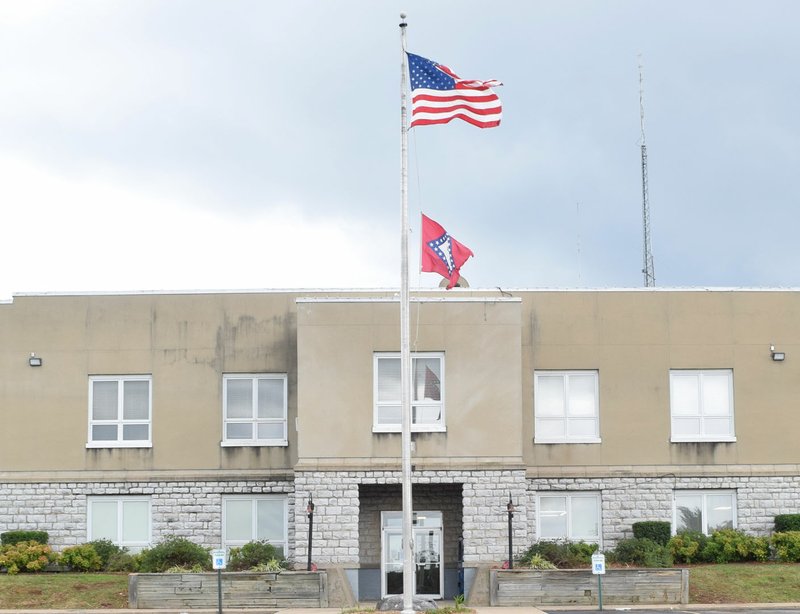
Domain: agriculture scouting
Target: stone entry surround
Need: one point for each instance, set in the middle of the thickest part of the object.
(336, 496)
(478, 497)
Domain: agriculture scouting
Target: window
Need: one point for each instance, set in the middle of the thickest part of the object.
(122, 520)
(701, 404)
(254, 410)
(704, 511)
(427, 392)
(119, 411)
(566, 407)
(257, 517)
(568, 516)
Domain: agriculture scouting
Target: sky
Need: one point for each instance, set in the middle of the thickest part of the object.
(151, 145)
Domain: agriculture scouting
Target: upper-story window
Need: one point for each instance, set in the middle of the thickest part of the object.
(701, 405)
(427, 392)
(120, 411)
(254, 410)
(566, 407)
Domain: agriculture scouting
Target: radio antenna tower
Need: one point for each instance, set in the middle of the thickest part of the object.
(647, 269)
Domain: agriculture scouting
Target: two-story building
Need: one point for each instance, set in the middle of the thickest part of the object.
(218, 416)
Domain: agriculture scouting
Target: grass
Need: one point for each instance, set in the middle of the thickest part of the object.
(63, 591)
(734, 583)
(745, 583)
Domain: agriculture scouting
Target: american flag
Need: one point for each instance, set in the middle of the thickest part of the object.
(438, 95)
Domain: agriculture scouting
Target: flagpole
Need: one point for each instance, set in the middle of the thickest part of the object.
(405, 351)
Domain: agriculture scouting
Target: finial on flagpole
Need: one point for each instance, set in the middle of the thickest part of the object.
(403, 23)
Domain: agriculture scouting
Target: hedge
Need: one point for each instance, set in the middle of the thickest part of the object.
(657, 530)
(10, 538)
(787, 522)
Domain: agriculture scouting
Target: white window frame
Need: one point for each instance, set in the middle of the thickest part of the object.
(133, 546)
(701, 416)
(120, 421)
(570, 496)
(230, 543)
(567, 418)
(439, 426)
(254, 420)
(704, 509)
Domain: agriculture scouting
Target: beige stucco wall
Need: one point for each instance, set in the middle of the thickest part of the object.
(492, 344)
(186, 342)
(634, 338)
(481, 343)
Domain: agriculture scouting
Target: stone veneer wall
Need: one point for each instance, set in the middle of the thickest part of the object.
(336, 516)
(627, 500)
(193, 509)
(179, 508)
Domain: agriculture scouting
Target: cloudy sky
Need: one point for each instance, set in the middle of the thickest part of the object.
(241, 144)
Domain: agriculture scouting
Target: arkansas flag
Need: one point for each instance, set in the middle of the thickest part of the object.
(441, 253)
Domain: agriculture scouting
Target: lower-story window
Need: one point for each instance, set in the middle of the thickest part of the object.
(568, 516)
(123, 520)
(255, 518)
(705, 511)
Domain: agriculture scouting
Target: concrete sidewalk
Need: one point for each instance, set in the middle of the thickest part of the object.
(689, 607)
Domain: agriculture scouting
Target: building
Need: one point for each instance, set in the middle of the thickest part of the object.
(218, 416)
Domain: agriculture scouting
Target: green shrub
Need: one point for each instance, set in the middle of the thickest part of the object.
(26, 556)
(106, 549)
(123, 561)
(787, 546)
(10, 538)
(688, 547)
(733, 546)
(657, 530)
(641, 552)
(81, 558)
(787, 522)
(254, 554)
(562, 554)
(173, 552)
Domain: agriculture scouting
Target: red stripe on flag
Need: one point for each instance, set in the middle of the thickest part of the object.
(491, 97)
(446, 110)
(445, 120)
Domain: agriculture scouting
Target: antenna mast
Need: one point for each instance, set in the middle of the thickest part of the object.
(647, 269)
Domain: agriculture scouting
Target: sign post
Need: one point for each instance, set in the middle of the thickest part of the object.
(598, 569)
(219, 562)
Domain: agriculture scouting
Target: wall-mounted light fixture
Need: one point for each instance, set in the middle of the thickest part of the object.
(777, 356)
(34, 360)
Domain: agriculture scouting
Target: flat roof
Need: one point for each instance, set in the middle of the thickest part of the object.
(454, 292)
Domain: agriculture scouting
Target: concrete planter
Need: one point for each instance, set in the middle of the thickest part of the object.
(531, 587)
(287, 589)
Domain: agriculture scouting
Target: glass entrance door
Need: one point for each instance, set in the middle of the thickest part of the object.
(428, 564)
